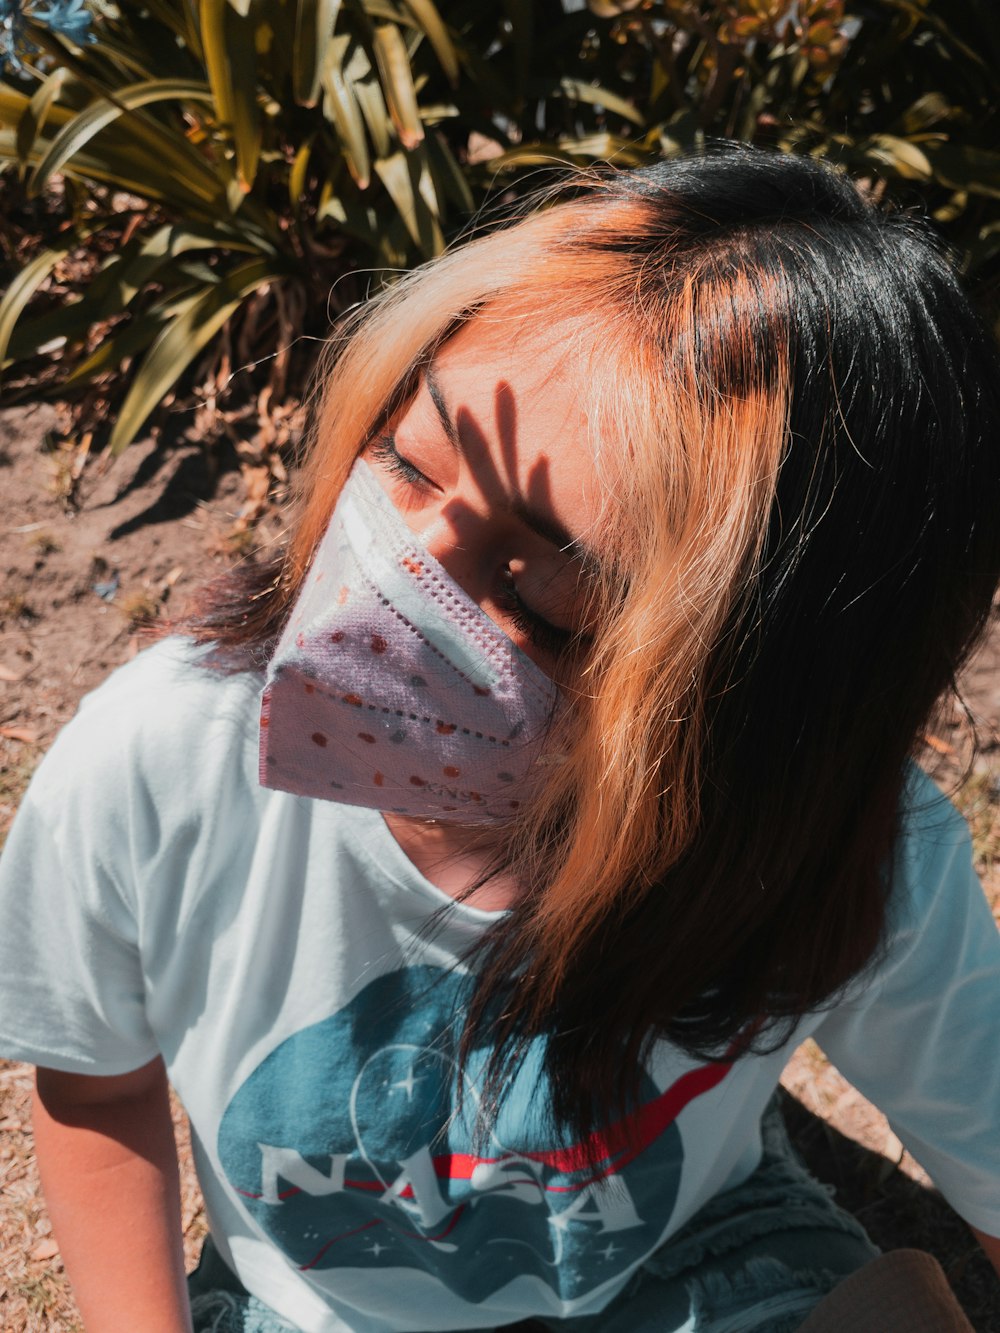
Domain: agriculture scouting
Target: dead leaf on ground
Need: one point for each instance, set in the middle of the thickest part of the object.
(257, 484)
(26, 734)
(940, 746)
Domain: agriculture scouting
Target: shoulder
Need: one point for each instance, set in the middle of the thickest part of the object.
(933, 850)
(161, 733)
(938, 919)
(166, 697)
(175, 682)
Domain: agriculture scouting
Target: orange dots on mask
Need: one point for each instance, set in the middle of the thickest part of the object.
(337, 636)
(379, 644)
(378, 779)
(450, 771)
(445, 728)
(353, 699)
(414, 566)
(484, 694)
(366, 736)
(318, 738)
(343, 595)
(417, 782)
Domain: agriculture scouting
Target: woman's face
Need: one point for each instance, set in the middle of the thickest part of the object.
(491, 464)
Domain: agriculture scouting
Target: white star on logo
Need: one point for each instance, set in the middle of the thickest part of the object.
(407, 1084)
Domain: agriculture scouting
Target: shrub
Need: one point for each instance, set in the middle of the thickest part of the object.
(225, 162)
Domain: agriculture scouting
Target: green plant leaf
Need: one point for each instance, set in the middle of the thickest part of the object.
(912, 95)
(928, 110)
(35, 114)
(231, 59)
(342, 108)
(351, 214)
(23, 288)
(448, 175)
(901, 156)
(128, 59)
(315, 21)
(367, 91)
(13, 106)
(122, 281)
(577, 90)
(572, 152)
(682, 133)
(78, 132)
(299, 172)
(966, 167)
(178, 20)
(69, 321)
(985, 246)
(397, 84)
(132, 337)
(179, 343)
(129, 166)
(521, 15)
(429, 19)
(407, 179)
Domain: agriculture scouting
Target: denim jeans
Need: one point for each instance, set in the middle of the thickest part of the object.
(756, 1259)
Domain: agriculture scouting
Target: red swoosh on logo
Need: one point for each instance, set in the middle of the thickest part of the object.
(612, 1147)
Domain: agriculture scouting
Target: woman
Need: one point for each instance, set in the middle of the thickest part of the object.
(637, 542)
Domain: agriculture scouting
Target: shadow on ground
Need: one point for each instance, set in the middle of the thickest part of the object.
(896, 1211)
(185, 477)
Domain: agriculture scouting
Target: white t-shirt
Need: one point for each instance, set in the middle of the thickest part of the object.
(276, 952)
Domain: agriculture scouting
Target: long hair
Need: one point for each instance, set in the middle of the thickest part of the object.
(796, 415)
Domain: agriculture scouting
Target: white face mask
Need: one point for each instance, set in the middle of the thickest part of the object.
(390, 688)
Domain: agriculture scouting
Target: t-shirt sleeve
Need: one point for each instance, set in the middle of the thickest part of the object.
(71, 984)
(921, 1038)
(100, 846)
(71, 980)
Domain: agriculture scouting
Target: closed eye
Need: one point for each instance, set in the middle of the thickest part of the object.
(539, 632)
(383, 450)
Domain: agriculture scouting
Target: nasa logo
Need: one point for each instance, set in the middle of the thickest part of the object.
(348, 1150)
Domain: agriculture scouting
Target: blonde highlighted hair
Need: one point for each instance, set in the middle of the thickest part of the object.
(785, 524)
(688, 519)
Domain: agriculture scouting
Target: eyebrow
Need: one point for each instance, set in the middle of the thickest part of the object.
(544, 525)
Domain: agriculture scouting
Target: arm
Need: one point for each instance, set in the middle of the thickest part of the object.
(108, 1163)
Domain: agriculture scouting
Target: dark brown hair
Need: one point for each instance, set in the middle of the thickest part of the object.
(805, 544)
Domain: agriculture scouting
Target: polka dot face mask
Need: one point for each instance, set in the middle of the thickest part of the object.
(390, 687)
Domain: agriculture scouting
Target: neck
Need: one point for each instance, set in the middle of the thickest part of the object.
(452, 857)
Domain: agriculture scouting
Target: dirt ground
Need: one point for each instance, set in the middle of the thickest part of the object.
(81, 579)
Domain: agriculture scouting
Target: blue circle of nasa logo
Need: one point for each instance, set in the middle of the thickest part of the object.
(347, 1148)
